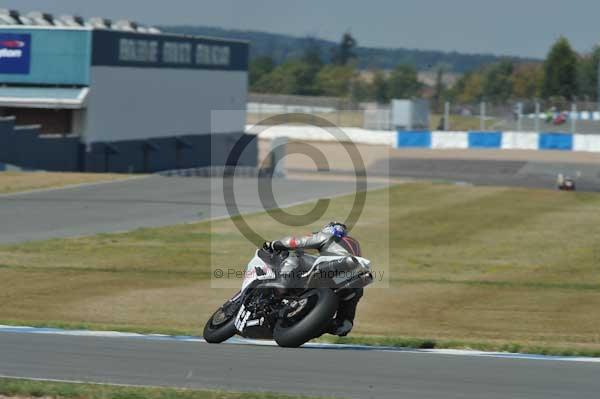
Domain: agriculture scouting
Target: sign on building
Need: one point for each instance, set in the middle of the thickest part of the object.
(15, 53)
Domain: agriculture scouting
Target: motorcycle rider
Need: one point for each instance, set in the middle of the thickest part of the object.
(332, 240)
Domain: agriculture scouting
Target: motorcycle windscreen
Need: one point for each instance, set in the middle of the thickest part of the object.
(257, 269)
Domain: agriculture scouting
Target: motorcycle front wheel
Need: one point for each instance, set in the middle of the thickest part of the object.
(316, 313)
(220, 327)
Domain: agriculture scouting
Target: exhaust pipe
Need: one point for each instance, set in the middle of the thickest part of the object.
(361, 281)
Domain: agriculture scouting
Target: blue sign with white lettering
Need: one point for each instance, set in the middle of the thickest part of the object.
(15, 53)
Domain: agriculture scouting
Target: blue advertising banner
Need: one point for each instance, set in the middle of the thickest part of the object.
(15, 53)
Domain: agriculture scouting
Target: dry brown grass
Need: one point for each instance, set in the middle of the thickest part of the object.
(461, 123)
(11, 182)
(471, 264)
(351, 118)
(355, 118)
(483, 313)
(134, 300)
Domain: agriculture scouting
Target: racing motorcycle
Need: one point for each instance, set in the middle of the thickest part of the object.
(268, 306)
(567, 184)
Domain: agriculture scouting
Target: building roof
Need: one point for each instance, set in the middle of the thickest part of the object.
(43, 97)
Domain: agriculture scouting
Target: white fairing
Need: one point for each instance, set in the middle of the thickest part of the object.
(251, 271)
(242, 319)
(251, 274)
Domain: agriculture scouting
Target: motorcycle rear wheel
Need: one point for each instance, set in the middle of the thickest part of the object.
(312, 324)
(219, 327)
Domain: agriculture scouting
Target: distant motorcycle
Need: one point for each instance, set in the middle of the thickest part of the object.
(266, 308)
(567, 184)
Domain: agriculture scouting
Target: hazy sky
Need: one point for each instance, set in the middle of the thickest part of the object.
(515, 27)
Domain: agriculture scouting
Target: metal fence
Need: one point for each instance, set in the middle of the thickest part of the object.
(377, 117)
(340, 111)
(530, 115)
(527, 115)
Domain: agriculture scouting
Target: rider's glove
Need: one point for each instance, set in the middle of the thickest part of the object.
(268, 246)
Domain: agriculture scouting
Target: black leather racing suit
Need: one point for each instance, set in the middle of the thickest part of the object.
(327, 245)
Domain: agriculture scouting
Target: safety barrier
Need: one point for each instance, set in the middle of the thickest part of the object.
(316, 133)
(436, 139)
(498, 140)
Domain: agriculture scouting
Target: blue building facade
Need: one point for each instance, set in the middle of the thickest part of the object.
(120, 101)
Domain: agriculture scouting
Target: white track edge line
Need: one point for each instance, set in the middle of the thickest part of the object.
(241, 341)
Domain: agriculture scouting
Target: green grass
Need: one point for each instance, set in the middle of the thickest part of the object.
(60, 390)
(474, 267)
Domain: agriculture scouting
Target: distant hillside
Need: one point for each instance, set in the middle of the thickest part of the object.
(282, 47)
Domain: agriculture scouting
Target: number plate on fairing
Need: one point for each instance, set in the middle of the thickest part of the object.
(241, 320)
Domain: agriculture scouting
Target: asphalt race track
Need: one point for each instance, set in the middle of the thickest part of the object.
(495, 172)
(144, 202)
(352, 373)
(479, 172)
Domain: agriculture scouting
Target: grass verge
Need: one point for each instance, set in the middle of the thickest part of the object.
(467, 267)
(355, 118)
(23, 388)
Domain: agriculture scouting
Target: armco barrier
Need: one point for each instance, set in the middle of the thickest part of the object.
(499, 140)
(508, 140)
(586, 142)
(414, 139)
(485, 140)
(556, 141)
(316, 133)
(446, 140)
(519, 141)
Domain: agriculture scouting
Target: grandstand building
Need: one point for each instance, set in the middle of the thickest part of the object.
(96, 96)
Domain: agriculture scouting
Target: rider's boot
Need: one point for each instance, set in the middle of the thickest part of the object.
(344, 319)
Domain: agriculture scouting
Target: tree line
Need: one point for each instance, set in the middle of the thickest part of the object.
(282, 48)
(564, 75)
(340, 77)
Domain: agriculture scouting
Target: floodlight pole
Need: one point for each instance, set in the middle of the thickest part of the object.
(574, 115)
(537, 116)
(447, 116)
(482, 116)
(598, 95)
